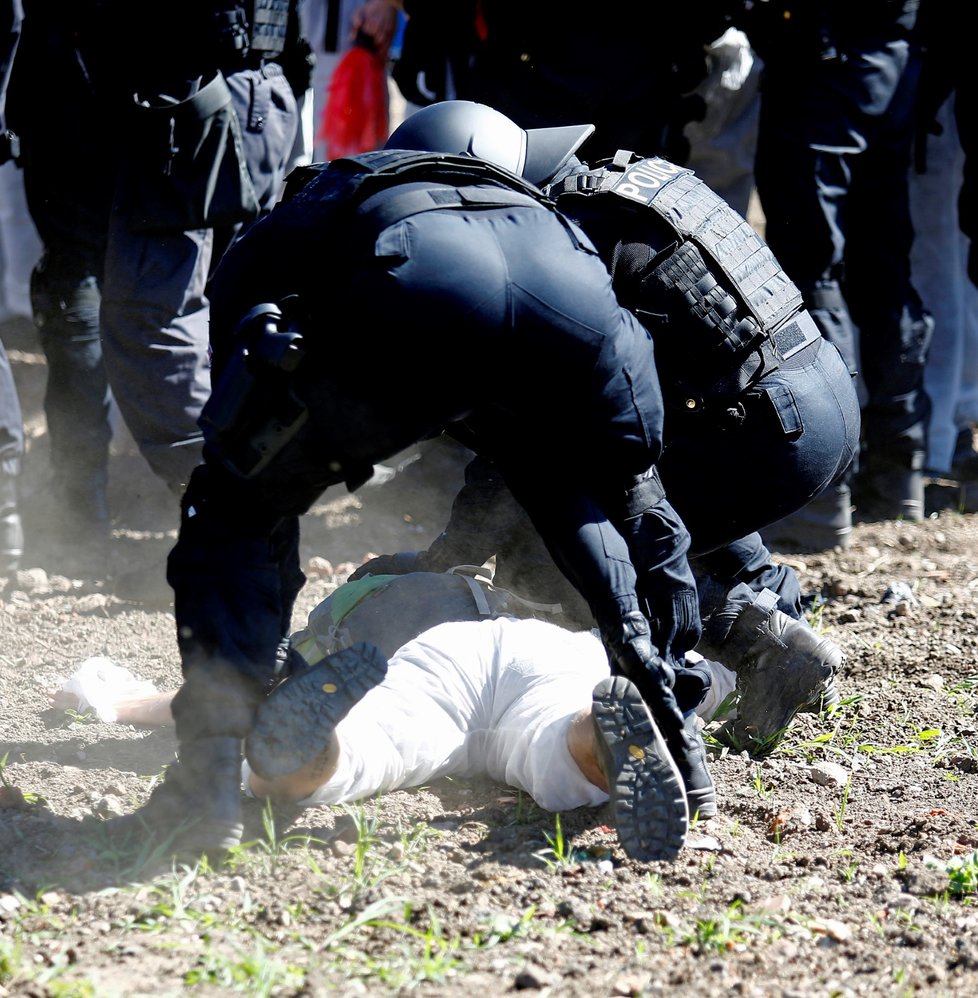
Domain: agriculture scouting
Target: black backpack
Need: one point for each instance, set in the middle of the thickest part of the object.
(390, 610)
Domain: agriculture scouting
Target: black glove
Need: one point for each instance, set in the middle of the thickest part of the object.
(630, 649)
(401, 563)
(631, 653)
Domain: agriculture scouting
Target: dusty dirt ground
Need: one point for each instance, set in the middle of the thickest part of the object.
(844, 864)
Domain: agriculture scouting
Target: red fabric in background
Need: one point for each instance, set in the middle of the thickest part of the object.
(355, 117)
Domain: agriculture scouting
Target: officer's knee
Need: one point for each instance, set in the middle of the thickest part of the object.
(64, 307)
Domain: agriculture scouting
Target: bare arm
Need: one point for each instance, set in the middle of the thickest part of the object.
(151, 711)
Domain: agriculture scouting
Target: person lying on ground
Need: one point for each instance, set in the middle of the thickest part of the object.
(522, 701)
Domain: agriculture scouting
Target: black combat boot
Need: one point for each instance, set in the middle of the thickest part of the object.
(11, 529)
(631, 654)
(196, 809)
(296, 721)
(957, 488)
(888, 490)
(783, 667)
(645, 787)
(82, 533)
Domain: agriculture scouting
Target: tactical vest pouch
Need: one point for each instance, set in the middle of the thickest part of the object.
(185, 168)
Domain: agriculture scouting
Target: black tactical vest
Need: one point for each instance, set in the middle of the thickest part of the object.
(719, 306)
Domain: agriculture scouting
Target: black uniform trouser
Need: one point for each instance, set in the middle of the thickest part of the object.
(793, 433)
(832, 172)
(70, 210)
(486, 521)
(11, 419)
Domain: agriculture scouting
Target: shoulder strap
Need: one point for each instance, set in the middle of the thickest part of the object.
(372, 171)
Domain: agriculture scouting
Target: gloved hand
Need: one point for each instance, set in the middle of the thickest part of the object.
(632, 655)
(629, 645)
(401, 563)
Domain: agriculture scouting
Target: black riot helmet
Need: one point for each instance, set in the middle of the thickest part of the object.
(460, 127)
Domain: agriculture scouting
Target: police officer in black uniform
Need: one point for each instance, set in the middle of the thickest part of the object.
(835, 133)
(389, 270)
(116, 305)
(761, 416)
(11, 419)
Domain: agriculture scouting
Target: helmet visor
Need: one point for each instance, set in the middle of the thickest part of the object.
(548, 149)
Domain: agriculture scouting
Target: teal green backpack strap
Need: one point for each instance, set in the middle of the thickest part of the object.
(316, 640)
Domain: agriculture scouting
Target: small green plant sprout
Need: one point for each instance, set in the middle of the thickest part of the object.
(253, 972)
(414, 840)
(962, 873)
(80, 717)
(840, 813)
(13, 795)
(761, 789)
(525, 812)
(271, 847)
(426, 954)
(727, 704)
(963, 695)
(728, 932)
(558, 852)
(815, 616)
(366, 827)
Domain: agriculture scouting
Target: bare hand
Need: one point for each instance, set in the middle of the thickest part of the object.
(377, 19)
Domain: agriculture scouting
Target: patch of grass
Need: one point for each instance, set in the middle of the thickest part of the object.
(371, 863)
(761, 789)
(840, 739)
(727, 932)
(268, 851)
(964, 686)
(425, 956)
(840, 813)
(963, 876)
(253, 973)
(12, 961)
(416, 838)
(727, 704)
(29, 797)
(558, 852)
(815, 614)
(656, 888)
(171, 903)
(21, 975)
(366, 827)
(527, 811)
